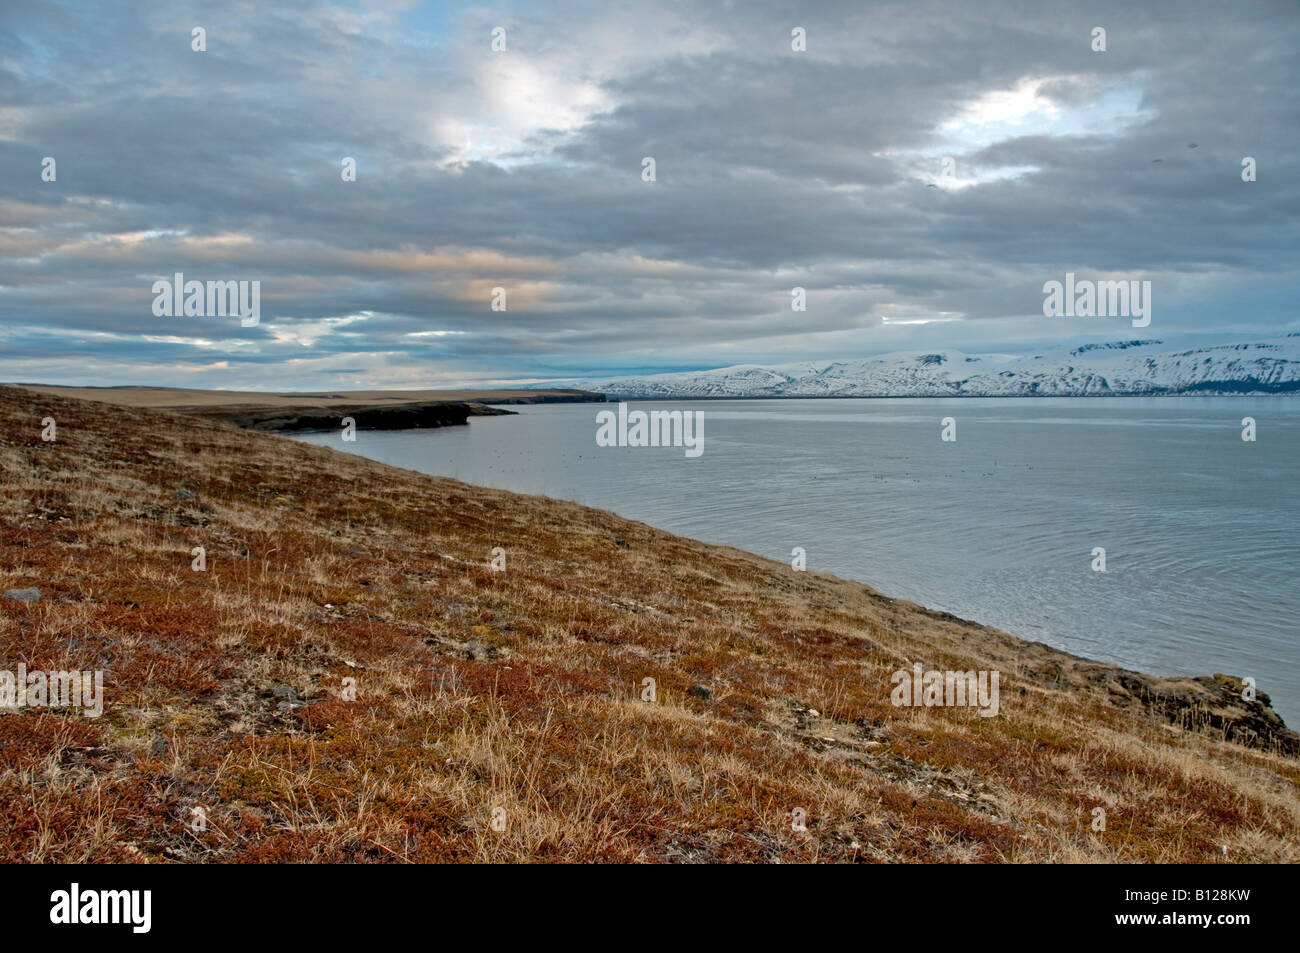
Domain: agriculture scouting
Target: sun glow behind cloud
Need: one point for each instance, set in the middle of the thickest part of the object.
(1025, 109)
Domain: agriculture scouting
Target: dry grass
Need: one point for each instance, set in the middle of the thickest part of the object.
(521, 689)
(177, 398)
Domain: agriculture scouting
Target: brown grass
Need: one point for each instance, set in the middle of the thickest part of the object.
(521, 689)
(185, 398)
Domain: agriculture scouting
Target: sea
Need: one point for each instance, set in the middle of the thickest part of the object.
(1141, 531)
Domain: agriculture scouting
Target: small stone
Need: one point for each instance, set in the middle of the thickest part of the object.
(814, 713)
(185, 495)
(700, 691)
(23, 595)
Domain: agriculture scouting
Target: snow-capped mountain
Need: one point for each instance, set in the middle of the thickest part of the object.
(1119, 368)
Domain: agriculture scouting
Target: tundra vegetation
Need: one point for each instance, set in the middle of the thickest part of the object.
(351, 675)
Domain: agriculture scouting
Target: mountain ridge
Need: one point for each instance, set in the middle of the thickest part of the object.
(1103, 369)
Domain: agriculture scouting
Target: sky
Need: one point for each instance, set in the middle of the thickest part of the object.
(920, 168)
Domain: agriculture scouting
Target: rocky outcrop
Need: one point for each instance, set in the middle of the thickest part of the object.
(1216, 706)
(407, 416)
(1220, 705)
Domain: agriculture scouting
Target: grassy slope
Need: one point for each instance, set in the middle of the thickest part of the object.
(176, 398)
(323, 565)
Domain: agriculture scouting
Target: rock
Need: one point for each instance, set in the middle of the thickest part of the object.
(700, 691)
(814, 713)
(185, 495)
(23, 595)
(288, 698)
(403, 416)
(476, 650)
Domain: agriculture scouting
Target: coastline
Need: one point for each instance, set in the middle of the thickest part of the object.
(325, 566)
(307, 412)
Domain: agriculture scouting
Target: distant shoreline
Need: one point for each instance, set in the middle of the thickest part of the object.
(321, 411)
(307, 412)
(614, 397)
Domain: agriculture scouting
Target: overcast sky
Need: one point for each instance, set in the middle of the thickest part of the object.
(523, 169)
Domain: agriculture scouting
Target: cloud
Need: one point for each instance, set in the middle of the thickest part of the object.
(821, 169)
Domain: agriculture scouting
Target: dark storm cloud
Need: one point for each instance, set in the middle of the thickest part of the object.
(522, 170)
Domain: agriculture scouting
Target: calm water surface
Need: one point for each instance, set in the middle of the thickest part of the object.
(1199, 526)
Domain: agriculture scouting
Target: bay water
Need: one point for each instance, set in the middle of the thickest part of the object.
(1000, 525)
